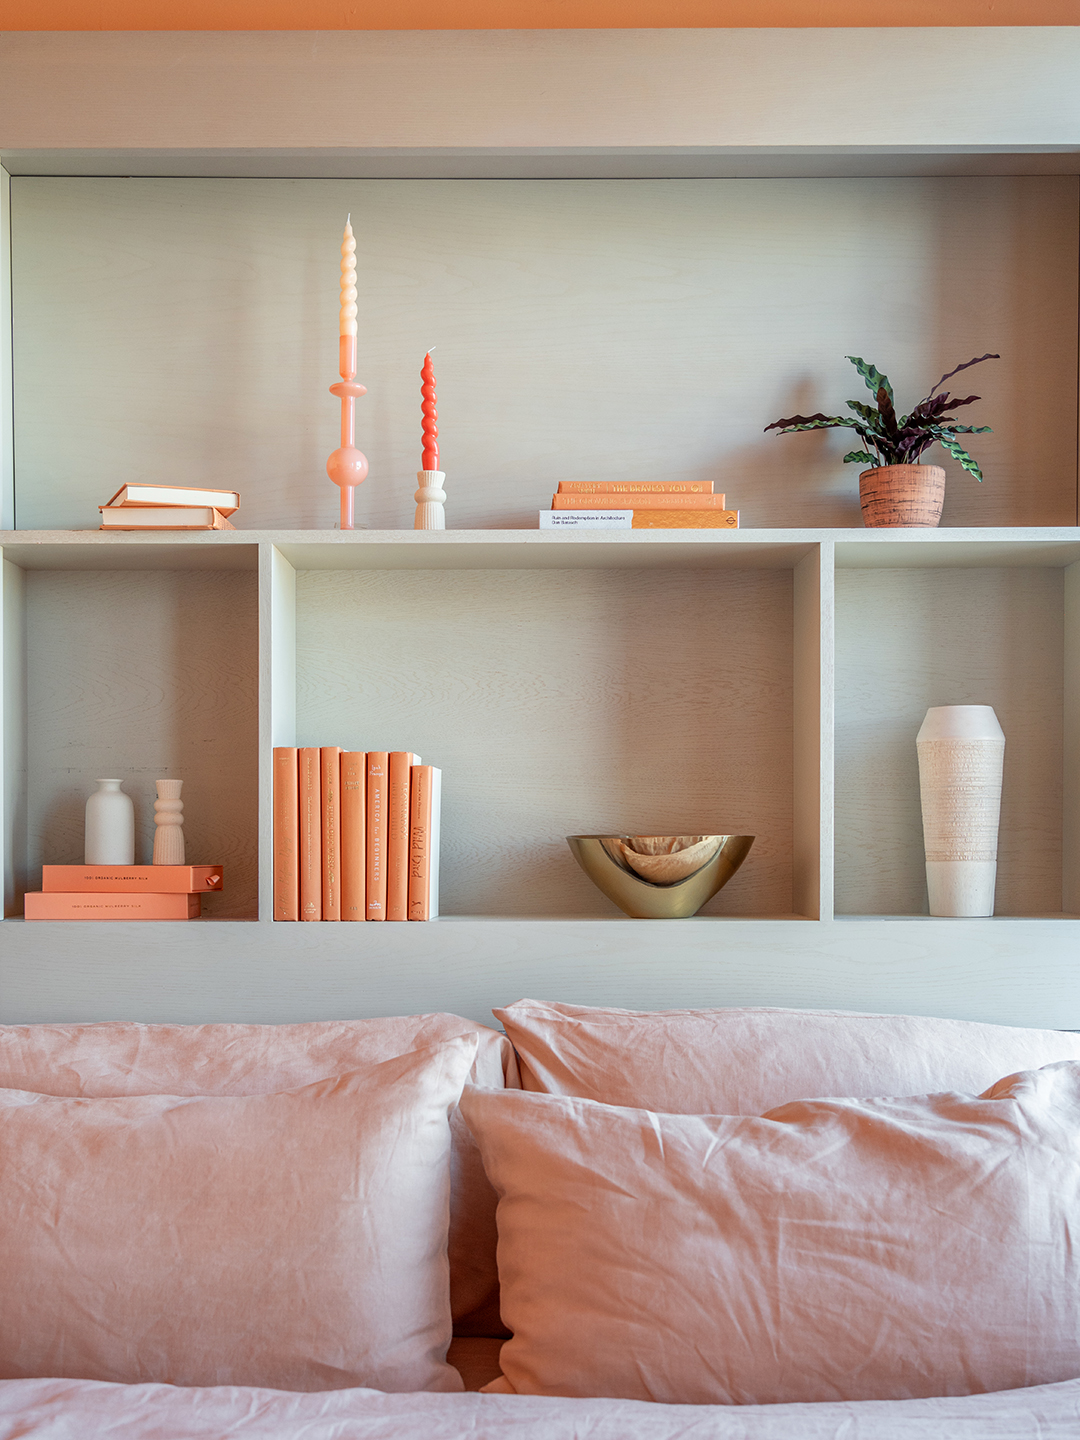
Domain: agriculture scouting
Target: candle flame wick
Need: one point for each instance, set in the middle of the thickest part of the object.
(348, 217)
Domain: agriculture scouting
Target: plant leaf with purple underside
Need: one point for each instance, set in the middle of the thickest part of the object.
(966, 366)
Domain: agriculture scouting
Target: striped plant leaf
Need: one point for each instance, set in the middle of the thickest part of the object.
(958, 453)
(860, 457)
(872, 375)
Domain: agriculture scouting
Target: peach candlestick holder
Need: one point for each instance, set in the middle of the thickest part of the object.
(347, 467)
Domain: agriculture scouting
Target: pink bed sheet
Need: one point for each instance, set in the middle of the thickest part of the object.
(93, 1410)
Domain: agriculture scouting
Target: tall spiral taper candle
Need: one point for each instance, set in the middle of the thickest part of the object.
(430, 498)
(347, 467)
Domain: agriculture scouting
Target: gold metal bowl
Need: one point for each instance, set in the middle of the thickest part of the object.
(641, 899)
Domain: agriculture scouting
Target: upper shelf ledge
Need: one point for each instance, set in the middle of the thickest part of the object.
(536, 549)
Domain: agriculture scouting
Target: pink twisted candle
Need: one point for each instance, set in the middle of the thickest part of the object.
(430, 429)
(347, 467)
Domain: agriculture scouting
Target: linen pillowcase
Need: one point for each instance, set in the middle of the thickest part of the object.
(746, 1061)
(831, 1250)
(294, 1240)
(123, 1058)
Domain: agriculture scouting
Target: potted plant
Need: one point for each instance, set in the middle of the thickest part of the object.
(897, 490)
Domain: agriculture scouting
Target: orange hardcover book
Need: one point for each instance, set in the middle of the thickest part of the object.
(286, 833)
(101, 905)
(377, 761)
(330, 775)
(425, 803)
(353, 838)
(397, 834)
(685, 520)
(131, 879)
(226, 502)
(602, 500)
(163, 517)
(310, 829)
(636, 487)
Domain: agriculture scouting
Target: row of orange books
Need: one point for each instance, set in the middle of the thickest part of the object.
(169, 507)
(638, 505)
(356, 834)
(122, 892)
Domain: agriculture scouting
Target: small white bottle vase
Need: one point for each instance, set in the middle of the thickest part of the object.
(169, 823)
(110, 826)
(961, 756)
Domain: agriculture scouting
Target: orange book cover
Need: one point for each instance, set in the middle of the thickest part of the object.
(131, 879)
(636, 487)
(376, 834)
(101, 905)
(330, 774)
(353, 839)
(286, 833)
(685, 520)
(397, 834)
(603, 501)
(425, 804)
(310, 791)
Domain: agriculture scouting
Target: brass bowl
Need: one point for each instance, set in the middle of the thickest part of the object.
(643, 900)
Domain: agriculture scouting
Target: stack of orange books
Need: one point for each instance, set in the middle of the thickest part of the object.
(169, 507)
(638, 505)
(122, 892)
(356, 834)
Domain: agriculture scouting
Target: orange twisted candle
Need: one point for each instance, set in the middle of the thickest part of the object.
(430, 429)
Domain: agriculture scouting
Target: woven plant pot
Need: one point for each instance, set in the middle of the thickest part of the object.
(902, 495)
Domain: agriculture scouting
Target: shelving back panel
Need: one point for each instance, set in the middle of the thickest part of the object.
(569, 702)
(907, 639)
(620, 329)
(145, 674)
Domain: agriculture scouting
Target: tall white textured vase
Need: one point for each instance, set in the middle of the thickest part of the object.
(110, 826)
(961, 755)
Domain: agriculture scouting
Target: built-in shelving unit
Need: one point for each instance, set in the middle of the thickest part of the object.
(765, 681)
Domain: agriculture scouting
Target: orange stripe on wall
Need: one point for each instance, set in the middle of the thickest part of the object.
(522, 14)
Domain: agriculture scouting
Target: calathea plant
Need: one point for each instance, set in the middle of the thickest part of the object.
(892, 440)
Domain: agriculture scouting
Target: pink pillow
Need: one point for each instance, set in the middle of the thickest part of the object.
(831, 1250)
(746, 1061)
(295, 1240)
(122, 1058)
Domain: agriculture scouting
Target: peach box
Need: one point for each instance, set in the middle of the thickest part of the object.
(137, 879)
(126, 905)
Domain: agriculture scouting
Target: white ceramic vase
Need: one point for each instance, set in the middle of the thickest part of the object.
(961, 755)
(110, 826)
(169, 823)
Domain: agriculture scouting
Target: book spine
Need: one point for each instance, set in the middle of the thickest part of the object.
(637, 487)
(607, 501)
(397, 838)
(135, 879)
(353, 839)
(425, 803)
(376, 834)
(286, 833)
(330, 778)
(310, 789)
(101, 905)
(685, 520)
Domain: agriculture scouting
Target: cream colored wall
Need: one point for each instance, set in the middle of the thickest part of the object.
(185, 331)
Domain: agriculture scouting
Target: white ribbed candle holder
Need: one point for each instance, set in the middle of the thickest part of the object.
(169, 823)
(430, 500)
(961, 758)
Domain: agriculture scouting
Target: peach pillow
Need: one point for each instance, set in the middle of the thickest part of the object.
(746, 1061)
(123, 1058)
(295, 1240)
(831, 1250)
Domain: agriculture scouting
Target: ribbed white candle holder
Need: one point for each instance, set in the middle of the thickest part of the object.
(961, 757)
(430, 499)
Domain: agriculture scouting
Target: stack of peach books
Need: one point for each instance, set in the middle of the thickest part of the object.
(122, 892)
(638, 505)
(356, 834)
(169, 507)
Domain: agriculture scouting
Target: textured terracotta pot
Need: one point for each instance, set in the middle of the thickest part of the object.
(902, 495)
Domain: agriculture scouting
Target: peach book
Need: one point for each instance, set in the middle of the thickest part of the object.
(127, 905)
(602, 500)
(397, 834)
(330, 773)
(377, 763)
(310, 791)
(286, 833)
(425, 803)
(353, 838)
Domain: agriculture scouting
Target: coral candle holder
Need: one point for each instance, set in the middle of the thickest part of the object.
(347, 467)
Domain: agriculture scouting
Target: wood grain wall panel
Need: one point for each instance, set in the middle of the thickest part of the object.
(580, 702)
(909, 639)
(141, 675)
(585, 330)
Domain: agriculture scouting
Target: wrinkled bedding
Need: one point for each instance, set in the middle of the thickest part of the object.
(89, 1409)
